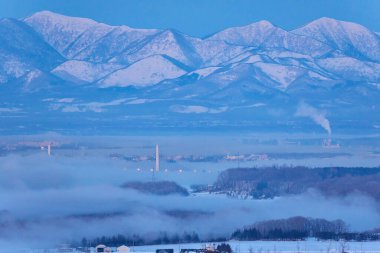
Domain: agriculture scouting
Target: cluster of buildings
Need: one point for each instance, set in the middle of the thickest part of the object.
(101, 248)
(104, 248)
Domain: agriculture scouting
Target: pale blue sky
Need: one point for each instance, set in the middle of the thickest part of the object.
(202, 17)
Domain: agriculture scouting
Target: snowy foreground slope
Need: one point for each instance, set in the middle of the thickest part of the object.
(249, 76)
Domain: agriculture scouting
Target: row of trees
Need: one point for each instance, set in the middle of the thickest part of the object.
(137, 240)
(293, 235)
(349, 236)
(269, 182)
(294, 228)
(302, 224)
(157, 187)
(299, 228)
(252, 234)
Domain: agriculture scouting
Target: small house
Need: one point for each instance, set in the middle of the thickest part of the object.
(122, 248)
(101, 248)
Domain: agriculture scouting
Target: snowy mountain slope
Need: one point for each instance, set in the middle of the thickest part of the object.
(204, 72)
(275, 75)
(148, 71)
(83, 71)
(288, 58)
(280, 57)
(250, 35)
(37, 80)
(352, 39)
(348, 68)
(277, 72)
(265, 35)
(251, 76)
(213, 52)
(111, 44)
(169, 42)
(299, 44)
(87, 40)
(205, 82)
(23, 50)
(61, 31)
(284, 75)
(225, 86)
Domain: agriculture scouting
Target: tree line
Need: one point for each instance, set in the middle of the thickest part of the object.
(300, 228)
(138, 240)
(294, 228)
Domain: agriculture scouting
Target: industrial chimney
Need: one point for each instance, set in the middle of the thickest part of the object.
(157, 159)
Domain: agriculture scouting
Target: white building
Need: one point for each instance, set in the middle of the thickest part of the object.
(122, 248)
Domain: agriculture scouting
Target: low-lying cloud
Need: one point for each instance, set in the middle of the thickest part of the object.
(46, 201)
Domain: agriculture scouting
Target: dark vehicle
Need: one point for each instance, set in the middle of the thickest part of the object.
(193, 250)
(207, 250)
(164, 250)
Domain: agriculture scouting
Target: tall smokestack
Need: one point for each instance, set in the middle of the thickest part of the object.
(49, 149)
(157, 159)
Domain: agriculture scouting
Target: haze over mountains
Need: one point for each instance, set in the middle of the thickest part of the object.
(78, 71)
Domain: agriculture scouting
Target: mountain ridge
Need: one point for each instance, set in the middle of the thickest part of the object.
(137, 44)
(257, 69)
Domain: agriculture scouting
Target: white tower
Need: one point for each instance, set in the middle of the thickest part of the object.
(157, 159)
(49, 149)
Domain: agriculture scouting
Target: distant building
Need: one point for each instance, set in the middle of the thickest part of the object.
(328, 144)
(122, 248)
(101, 248)
(65, 248)
(210, 247)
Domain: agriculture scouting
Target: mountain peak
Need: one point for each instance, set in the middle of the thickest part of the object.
(325, 20)
(45, 13)
(250, 35)
(352, 39)
(333, 25)
(262, 23)
(169, 32)
(60, 30)
(51, 20)
(173, 34)
(8, 21)
(58, 18)
(148, 71)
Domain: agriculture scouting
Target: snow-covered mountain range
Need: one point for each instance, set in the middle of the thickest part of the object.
(256, 73)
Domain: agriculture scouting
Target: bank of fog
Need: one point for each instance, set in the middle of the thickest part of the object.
(47, 201)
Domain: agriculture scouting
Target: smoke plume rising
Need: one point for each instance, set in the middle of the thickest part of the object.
(305, 110)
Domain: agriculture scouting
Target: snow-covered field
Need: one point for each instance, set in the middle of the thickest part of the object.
(308, 246)
(277, 246)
